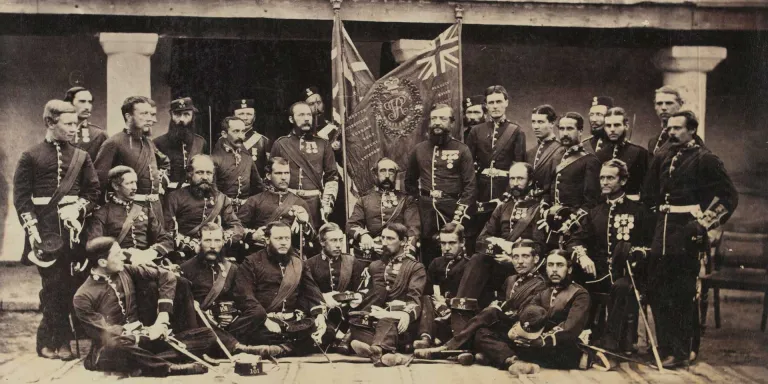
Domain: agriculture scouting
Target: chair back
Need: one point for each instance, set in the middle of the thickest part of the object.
(742, 250)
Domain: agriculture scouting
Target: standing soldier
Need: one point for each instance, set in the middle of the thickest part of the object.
(89, 137)
(381, 206)
(189, 208)
(667, 101)
(55, 187)
(617, 146)
(548, 152)
(597, 111)
(440, 170)
(689, 188)
(577, 175)
(474, 113)
(134, 148)
(180, 143)
(255, 143)
(236, 174)
(314, 176)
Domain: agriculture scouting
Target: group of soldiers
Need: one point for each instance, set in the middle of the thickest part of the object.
(489, 254)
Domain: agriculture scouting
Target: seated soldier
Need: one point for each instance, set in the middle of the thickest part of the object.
(393, 303)
(277, 203)
(107, 306)
(274, 293)
(556, 345)
(343, 280)
(519, 289)
(188, 208)
(443, 277)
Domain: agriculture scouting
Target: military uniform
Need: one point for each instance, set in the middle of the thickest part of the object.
(180, 145)
(444, 178)
(445, 274)
(40, 173)
(105, 304)
(544, 159)
(376, 209)
(313, 170)
(637, 161)
(681, 183)
(89, 138)
(577, 179)
(271, 205)
(236, 174)
(659, 144)
(595, 143)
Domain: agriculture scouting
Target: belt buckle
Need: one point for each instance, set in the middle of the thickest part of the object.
(435, 194)
(664, 208)
(152, 198)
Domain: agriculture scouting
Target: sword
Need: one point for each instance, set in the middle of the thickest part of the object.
(182, 348)
(207, 324)
(645, 320)
(617, 355)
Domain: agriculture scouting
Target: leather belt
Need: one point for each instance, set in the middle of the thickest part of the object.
(437, 194)
(306, 192)
(151, 198)
(69, 199)
(633, 197)
(494, 172)
(679, 208)
(177, 185)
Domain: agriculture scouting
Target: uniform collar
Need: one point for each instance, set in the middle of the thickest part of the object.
(574, 149)
(324, 256)
(550, 139)
(99, 277)
(616, 201)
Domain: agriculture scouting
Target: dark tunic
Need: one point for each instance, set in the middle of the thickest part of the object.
(203, 274)
(567, 308)
(188, 211)
(493, 147)
(136, 152)
(180, 145)
(577, 183)
(146, 232)
(258, 147)
(596, 142)
(398, 278)
(326, 272)
(637, 160)
(369, 214)
(237, 175)
(89, 138)
(506, 218)
(446, 274)
(267, 206)
(544, 159)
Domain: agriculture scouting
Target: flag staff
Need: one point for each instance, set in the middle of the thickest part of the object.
(340, 82)
(459, 14)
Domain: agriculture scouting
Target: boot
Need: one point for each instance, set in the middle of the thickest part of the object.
(522, 368)
(364, 350)
(65, 353)
(424, 342)
(428, 353)
(343, 345)
(393, 359)
(466, 359)
(187, 369)
(261, 350)
(481, 359)
(48, 353)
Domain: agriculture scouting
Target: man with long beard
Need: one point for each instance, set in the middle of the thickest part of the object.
(189, 208)
(597, 111)
(547, 154)
(577, 174)
(180, 144)
(134, 148)
(441, 176)
(276, 295)
(236, 174)
(474, 113)
(89, 136)
(617, 146)
(381, 206)
(314, 176)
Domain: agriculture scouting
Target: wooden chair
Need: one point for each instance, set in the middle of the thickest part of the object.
(740, 262)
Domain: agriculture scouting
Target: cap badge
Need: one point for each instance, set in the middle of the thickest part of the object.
(594, 101)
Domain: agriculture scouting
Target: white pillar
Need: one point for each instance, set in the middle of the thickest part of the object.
(128, 71)
(686, 68)
(405, 49)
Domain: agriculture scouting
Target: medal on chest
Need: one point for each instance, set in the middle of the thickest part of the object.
(254, 154)
(623, 224)
(86, 134)
(388, 200)
(449, 156)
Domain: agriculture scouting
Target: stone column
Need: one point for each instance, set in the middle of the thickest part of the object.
(128, 71)
(405, 49)
(686, 67)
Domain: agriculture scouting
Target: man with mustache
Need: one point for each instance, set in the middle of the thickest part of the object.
(598, 109)
(275, 294)
(487, 331)
(577, 174)
(255, 143)
(516, 218)
(443, 277)
(615, 232)
(381, 206)
(134, 148)
(277, 202)
(189, 208)
(393, 304)
(180, 143)
(474, 113)
(495, 145)
(547, 154)
(314, 176)
(89, 137)
(236, 174)
(617, 146)
(55, 187)
(690, 189)
(337, 273)
(441, 176)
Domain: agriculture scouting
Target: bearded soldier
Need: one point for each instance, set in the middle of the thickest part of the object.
(55, 187)
(548, 153)
(89, 136)
(597, 111)
(690, 189)
(236, 174)
(314, 176)
(441, 176)
(255, 143)
(617, 146)
(180, 143)
(474, 113)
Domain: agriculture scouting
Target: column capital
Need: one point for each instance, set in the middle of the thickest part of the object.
(689, 58)
(140, 43)
(405, 49)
